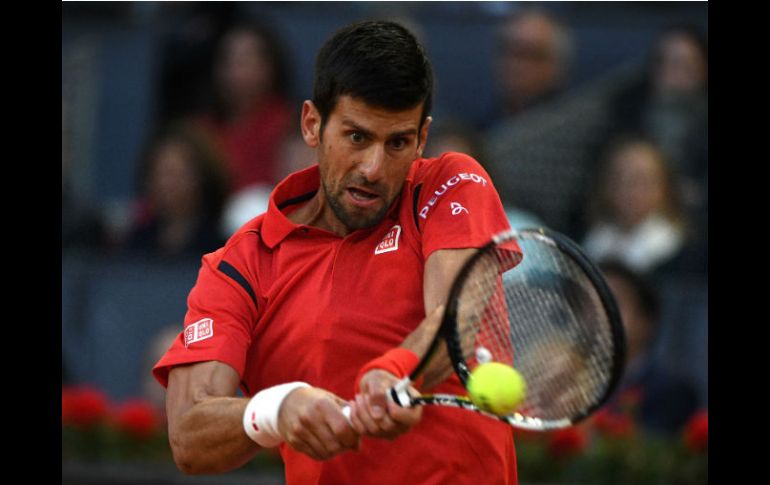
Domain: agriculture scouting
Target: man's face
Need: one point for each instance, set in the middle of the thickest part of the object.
(364, 155)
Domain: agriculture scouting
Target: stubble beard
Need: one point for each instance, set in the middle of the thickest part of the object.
(353, 220)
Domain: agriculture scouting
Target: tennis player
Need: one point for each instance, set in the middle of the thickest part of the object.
(326, 299)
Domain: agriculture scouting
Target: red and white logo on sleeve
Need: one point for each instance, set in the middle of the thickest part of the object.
(200, 330)
(450, 185)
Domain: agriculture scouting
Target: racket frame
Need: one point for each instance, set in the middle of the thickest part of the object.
(448, 333)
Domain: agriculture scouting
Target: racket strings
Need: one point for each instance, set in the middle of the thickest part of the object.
(545, 318)
(482, 310)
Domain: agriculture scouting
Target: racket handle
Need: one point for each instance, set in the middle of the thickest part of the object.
(346, 412)
(400, 393)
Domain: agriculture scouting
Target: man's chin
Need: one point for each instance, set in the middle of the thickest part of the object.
(364, 222)
(353, 219)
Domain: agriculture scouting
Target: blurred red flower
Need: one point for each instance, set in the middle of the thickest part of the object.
(696, 431)
(614, 424)
(82, 406)
(630, 399)
(138, 418)
(567, 442)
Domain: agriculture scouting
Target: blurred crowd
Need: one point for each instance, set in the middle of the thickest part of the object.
(621, 167)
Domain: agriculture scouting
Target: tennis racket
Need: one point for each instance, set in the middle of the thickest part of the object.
(551, 316)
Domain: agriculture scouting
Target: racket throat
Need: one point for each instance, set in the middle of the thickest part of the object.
(400, 393)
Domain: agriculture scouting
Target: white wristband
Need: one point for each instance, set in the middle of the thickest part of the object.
(260, 420)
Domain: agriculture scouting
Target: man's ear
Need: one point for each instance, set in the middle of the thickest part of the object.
(424, 134)
(310, 124)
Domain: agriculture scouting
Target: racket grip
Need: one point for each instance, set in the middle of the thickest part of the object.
(400, 393)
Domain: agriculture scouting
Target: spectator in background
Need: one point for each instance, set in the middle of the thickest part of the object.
(183, 189)
(532, 64)
(250, 114)
(533, 141)
(634, 215)
(188, 50)
(453, 135)
(247, 203)
(658, 399)
(295, 154)
(670, 106)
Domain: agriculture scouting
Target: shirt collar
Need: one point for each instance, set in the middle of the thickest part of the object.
(294, 189)
(300, 187)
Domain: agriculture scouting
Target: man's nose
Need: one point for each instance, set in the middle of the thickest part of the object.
(373, 165)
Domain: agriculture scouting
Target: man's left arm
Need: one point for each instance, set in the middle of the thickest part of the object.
(373, 412)
(452, 225)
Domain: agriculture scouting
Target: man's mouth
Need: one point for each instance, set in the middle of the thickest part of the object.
(362, 195)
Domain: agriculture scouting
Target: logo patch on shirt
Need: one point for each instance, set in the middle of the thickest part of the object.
(457, 208)
(200, 330)
(390, 241)
(448, 185)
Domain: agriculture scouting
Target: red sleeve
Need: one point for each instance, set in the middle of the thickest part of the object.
(459, 205)
(220, 317)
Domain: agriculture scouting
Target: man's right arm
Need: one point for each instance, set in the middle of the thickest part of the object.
(205, 420)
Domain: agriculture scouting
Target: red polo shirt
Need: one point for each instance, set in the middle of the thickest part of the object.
(285, 302)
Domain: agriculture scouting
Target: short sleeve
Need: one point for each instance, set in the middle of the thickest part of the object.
(221, 313)
(459, 205)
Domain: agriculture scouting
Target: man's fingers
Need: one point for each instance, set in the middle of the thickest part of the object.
(333, 429)
(375, 412)
(378, 405)
(374, 419)
(364, 416)
(313, 424)
(303, 439)
(355, 420)
(341, 428)
(377, 420)
(403, 416)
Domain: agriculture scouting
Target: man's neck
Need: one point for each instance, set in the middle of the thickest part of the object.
(317, 213)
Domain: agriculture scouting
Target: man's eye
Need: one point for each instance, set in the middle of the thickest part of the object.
(398, 144)
(356, 137)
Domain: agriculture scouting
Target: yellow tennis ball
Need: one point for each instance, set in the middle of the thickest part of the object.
(496, 387)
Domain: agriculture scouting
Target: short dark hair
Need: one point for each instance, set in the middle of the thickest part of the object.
(379, 62)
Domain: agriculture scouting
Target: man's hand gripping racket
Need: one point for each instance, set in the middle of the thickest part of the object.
(550, 316)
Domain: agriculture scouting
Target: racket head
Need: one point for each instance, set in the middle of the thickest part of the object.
(550, 315)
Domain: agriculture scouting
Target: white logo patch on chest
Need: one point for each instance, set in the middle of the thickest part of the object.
(390, 241)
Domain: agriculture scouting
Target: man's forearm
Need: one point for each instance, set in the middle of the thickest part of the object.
(441, 268)
(209, 437)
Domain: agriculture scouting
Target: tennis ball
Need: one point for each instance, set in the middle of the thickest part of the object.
(496, 387)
